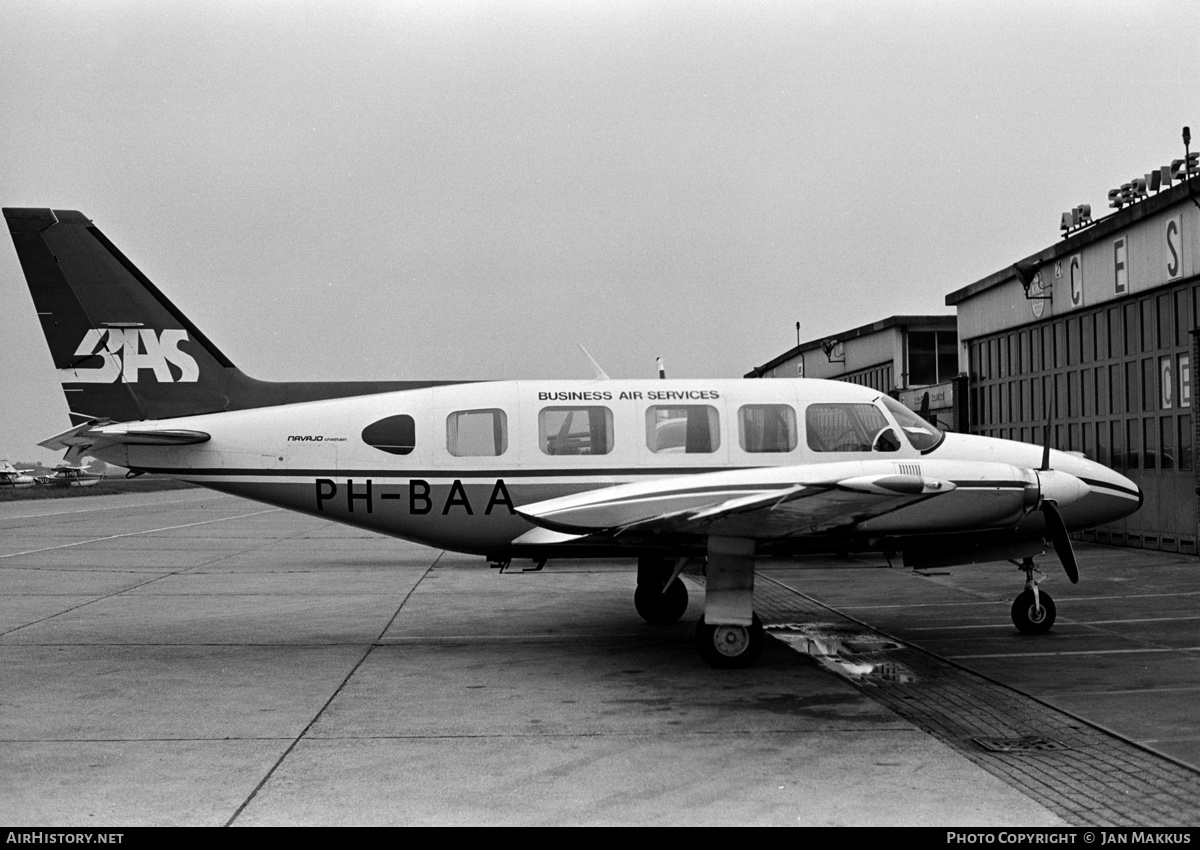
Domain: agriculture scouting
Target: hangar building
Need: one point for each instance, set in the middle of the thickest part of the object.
(1092, 338)
(1095, 334)
(912, 358)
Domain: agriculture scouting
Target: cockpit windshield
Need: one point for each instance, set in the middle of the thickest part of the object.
(923, 436)
(849, 427)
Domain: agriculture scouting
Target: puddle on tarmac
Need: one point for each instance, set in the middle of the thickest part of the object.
(856, 655)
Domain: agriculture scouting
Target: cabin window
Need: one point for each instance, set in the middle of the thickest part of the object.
(682, 429)
(477, 433)
(575, 430)
(849, 428)
(396, 435)
(767, 428)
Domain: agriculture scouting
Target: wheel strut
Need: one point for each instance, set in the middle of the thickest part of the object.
(1031, 583)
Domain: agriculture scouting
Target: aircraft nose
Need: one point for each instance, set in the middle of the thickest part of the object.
(1111, 495)
(1129, 485)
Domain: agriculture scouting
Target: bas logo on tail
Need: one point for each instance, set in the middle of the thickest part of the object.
(126, 351)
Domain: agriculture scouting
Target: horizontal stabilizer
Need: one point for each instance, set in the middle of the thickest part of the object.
(144, 434)
(81, 440)
(76, 436)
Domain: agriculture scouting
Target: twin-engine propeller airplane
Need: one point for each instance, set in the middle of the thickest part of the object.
(664, 470)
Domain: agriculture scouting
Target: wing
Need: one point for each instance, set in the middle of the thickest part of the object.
(763, 504)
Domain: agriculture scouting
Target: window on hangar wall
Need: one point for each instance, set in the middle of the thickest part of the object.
(932, 356)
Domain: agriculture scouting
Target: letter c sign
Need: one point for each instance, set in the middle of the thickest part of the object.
(1075, 270)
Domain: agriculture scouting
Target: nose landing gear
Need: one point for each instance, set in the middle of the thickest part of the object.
(1033, 610)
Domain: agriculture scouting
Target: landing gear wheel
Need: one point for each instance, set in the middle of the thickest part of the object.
(659, 607)
(729, 647)
(1030, 619)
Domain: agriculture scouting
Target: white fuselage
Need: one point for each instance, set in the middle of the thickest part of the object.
(450, 464)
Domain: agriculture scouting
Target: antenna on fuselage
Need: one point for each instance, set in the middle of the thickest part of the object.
(1051, 413)
(662, 370)
(601, 375)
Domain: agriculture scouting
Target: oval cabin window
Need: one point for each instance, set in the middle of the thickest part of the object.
(396, 435)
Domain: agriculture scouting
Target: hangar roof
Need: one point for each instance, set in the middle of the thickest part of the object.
(948, 322)
(1078, 239)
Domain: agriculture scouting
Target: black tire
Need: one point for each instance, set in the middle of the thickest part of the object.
(1028, 619)
(729, 647)
(661, 608)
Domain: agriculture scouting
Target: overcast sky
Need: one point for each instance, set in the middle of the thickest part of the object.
(468, 189)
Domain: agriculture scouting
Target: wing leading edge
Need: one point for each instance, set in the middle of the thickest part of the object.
(763, 504)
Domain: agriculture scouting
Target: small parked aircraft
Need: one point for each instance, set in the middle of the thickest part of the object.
(10, 476)
(71, 476)
(727, 471)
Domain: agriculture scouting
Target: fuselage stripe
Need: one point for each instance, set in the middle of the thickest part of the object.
(1125, 491)
(488, 474)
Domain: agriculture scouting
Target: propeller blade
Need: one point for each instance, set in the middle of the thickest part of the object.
(1062, 541)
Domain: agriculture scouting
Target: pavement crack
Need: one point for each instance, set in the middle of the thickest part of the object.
(336, 692)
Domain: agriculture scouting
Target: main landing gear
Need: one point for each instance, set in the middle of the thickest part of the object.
(1033, 610)
(729, 634)
(661, 597)
(729, 647)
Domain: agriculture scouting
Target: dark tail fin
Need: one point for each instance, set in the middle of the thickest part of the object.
(122, 350)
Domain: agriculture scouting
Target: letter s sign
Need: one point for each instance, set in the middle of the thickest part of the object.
(1174, 246)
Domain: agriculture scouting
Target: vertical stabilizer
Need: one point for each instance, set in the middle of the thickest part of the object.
(123, 351)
